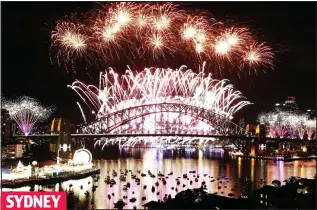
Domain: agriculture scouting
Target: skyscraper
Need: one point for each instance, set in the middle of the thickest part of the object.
(6, 126)
(289, 105)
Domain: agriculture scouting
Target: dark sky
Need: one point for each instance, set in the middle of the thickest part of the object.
(289, 27)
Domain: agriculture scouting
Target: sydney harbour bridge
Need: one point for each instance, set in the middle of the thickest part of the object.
(118, 122)
(170, 124)
(163, 124)
(160, 107)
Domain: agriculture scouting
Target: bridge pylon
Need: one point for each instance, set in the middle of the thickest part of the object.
(63, 146)
(260, 133)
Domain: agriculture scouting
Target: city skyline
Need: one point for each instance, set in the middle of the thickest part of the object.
(47, 82)
(158, 105)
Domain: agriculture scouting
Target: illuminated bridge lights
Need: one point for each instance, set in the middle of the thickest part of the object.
(161, 101)
(164, 118)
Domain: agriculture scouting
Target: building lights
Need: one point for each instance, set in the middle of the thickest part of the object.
(82, 156)
(82, 161)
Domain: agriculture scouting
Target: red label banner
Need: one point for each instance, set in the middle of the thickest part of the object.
(33, 200)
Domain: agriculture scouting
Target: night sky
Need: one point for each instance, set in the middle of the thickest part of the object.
(288, 27)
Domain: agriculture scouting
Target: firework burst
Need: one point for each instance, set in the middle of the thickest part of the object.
(72, 41)
(286, 124)
(157, 30)
(257, 55)
(160, 86)
(229, 44)
(26, 111)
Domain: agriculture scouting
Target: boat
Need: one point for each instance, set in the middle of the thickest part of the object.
(107, 180)
(112, 182)
(123, 178)
(132, 200)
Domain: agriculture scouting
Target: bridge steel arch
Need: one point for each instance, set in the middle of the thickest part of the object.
(113, 120)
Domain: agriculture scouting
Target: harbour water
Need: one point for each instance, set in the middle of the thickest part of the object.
(209, 166)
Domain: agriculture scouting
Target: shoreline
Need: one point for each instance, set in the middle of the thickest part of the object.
(51, 180)
(286, 159)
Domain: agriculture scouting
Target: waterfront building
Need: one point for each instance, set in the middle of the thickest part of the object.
(286, 120)
(289, 105)
(80, 163)
(20, 172)
(271, 196)
(6, 126)
(290, 195)
(12, 151)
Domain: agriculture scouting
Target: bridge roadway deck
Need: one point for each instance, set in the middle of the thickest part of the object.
(113, 135)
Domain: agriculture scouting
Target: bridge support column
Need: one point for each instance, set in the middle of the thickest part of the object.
(254, 147)
(63, 147)
(280, 145)
(248, 147)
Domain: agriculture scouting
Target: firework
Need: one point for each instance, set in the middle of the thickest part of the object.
(82, 112)
(72, 40)
(257, 55)
(26, 111)
(287, 124)
(159, 142)
(157, 30)
(231, 41)
(182, 86)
